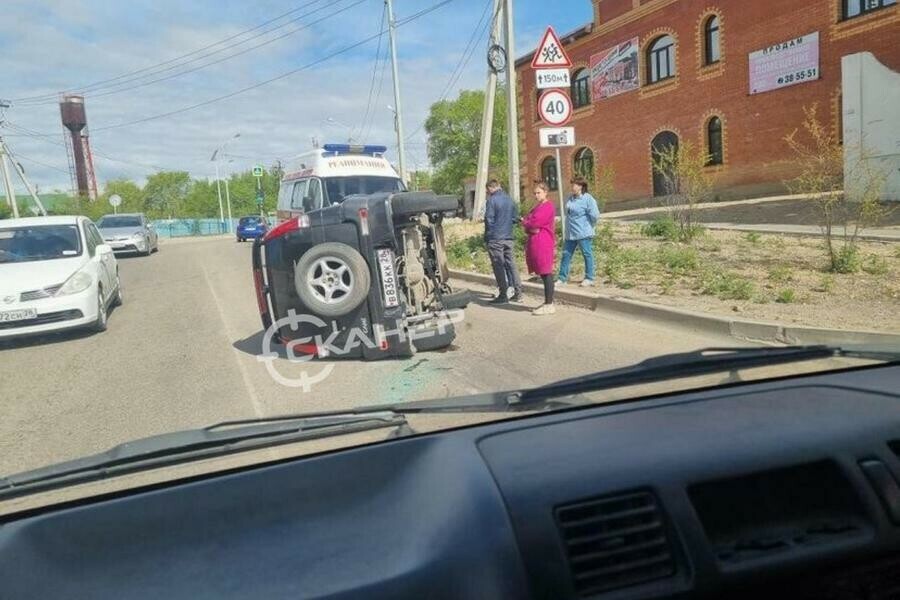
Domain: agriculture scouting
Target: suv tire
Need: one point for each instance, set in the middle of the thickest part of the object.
(331, 279)
(412, 203)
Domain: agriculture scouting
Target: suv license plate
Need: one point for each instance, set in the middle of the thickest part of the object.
(388, 277)
(17, 315)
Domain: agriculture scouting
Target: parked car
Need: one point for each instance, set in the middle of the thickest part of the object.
(251, 227)
(356, 274)
(55, 273)
(129, 233)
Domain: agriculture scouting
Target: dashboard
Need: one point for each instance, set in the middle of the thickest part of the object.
(784, 488)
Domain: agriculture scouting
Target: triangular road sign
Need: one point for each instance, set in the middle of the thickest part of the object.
(550, 53)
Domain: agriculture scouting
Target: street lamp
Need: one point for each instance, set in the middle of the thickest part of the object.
(333, 121)
(215, 159)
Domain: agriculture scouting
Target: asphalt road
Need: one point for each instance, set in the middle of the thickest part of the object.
(183, 352)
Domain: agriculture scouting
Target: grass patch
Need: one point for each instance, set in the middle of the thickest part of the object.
(826, 284)
(786, 296)
(781, 274)
(726, 285)
(897, 251)
(677, 259)
(752, 237)
(875, 265)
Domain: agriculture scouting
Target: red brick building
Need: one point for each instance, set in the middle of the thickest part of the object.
(691, 81)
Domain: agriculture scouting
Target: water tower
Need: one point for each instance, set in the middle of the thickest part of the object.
(81, 164)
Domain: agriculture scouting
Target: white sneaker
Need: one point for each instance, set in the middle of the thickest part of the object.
(544, 309)
(587, 283)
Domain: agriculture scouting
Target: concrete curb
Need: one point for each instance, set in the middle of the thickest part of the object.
(743, 329)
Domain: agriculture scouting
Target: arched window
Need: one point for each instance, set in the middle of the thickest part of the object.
(712, 52)
(714, 142)
(584, 163)
(581, 88)
(663, 180)
(548, 173)
(661, 59)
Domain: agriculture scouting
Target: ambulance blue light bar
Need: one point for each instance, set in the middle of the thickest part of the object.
(354, 149)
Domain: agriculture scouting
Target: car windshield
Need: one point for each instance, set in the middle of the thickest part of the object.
(42, 242)
(116, 222)
(308, 206)
(338, 188)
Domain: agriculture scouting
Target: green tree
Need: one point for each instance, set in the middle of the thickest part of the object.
(454, 133)
(131, 194)
(165, 192)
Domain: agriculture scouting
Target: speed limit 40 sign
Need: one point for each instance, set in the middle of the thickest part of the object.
(555, 107)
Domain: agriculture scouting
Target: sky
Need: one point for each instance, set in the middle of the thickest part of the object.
(49, 46)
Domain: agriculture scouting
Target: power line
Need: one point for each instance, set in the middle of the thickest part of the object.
(374, 71)
(220, 60)
(17, 156)
(309, 65)
(384, 63)
(464, 58)
(97, 84)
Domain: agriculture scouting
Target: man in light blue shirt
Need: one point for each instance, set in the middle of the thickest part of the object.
(582, 214)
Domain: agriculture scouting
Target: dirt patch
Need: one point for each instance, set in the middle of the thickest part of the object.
(755, 276)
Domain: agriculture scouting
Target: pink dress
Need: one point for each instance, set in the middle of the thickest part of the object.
(540, 249)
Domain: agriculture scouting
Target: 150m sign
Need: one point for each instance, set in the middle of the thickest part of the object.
(555, 107)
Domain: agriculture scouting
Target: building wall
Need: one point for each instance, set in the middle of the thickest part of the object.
(756, 159)
(871, 125)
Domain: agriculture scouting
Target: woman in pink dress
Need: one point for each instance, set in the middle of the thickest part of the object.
(540, 249)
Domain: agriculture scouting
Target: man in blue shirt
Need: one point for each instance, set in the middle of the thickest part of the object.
(582, 215)
(500, 216)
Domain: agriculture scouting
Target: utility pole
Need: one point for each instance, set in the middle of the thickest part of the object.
(219, 189)
(398, 114)
(511, 106)
(31, 191)
(487, 123)
(7, 180)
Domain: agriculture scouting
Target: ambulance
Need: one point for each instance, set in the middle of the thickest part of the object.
(325, 176)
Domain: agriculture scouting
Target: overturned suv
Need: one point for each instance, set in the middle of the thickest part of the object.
(366, 278)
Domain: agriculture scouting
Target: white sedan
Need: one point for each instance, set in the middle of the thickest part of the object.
(55, 273)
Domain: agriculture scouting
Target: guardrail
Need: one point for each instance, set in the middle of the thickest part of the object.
(171, 228)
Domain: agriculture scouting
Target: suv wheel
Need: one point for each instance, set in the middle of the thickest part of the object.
(331, 279)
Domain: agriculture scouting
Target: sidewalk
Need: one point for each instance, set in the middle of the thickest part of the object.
(789, 215)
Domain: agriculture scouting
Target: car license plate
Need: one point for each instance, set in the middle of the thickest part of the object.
(388, 277)
(17, 315)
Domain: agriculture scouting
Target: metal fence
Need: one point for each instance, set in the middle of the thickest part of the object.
(171, 228)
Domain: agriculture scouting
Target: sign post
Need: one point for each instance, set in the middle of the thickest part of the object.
(260, 197)
(115, 201)
(551, 65)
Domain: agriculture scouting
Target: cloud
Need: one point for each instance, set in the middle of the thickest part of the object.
(52, 45)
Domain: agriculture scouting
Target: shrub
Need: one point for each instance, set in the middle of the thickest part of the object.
(781, 273)
(846, 260)
(727, 286)
(897, 252)
(604, 240)
(661, 227)
(786, 296)
(752, 237)
(875, 265)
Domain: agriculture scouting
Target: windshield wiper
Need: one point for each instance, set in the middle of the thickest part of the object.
(186, 446)
(700, 362)
(236, 436)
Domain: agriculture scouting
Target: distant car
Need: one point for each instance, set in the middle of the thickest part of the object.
(55, 273)
(129, 233)
(251, 228)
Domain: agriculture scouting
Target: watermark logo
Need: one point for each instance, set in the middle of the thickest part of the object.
(369, 335)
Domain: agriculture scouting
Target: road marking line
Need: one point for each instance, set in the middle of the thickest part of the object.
(254, 400)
